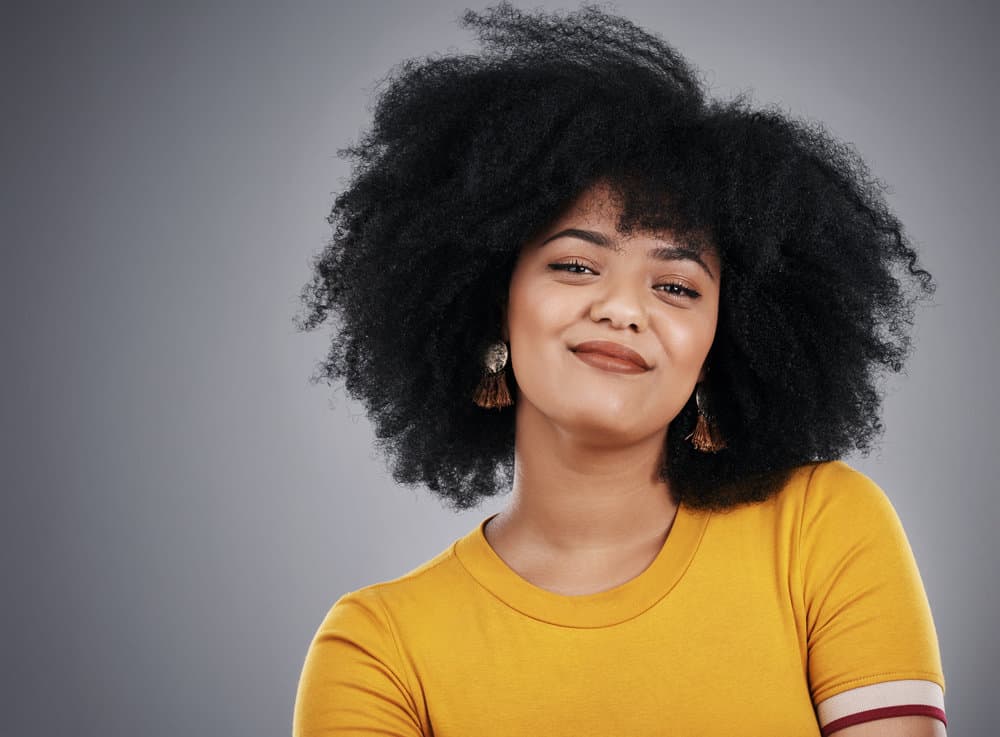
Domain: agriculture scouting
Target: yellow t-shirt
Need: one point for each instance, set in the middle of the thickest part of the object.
(769, 619)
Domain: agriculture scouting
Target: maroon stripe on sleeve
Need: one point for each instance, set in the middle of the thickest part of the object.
(903, 710)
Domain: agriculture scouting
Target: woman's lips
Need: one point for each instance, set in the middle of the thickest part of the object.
(610, 356)
(609, 363)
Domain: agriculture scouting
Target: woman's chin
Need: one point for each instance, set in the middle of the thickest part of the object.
(596, 417)
(606, 424)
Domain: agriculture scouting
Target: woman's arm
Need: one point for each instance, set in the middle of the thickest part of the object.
(352, 682)
(874, 667)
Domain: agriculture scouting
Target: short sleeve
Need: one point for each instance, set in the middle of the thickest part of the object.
(868, 619)
(352, 683)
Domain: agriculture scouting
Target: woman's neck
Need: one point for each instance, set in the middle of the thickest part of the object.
(577, 498)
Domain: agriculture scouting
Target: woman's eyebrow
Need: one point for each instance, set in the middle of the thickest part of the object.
(661, 253)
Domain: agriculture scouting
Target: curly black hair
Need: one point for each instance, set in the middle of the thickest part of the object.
(470, 155)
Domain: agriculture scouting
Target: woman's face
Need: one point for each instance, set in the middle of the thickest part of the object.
(650, 294)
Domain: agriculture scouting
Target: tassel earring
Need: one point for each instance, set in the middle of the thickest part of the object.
(492, 392)
(706, 436)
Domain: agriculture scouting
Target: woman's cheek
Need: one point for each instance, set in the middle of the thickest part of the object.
(687, 337)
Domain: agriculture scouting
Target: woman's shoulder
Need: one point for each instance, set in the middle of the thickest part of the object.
(831, 485)
(435, 577)
(825, 502)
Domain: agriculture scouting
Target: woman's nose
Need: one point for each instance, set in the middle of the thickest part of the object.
(620, 304)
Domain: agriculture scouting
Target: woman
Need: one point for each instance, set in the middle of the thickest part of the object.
(659, 320)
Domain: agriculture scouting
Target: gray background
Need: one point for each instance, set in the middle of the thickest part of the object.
(181, 506)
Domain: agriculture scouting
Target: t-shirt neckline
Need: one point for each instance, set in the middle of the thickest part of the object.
(600, 609)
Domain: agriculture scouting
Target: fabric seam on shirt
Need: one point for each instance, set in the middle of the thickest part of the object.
(414, 574)
(508, 605)
(802, 578)
(399, 656)
(799, 556)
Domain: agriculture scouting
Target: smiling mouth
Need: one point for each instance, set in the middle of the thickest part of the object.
(609, 363)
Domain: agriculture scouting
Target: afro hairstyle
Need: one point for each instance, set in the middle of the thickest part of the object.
(470, 155)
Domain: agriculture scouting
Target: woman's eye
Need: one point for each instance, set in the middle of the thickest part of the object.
(675, 289)
(679, 290)
(570, 267)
